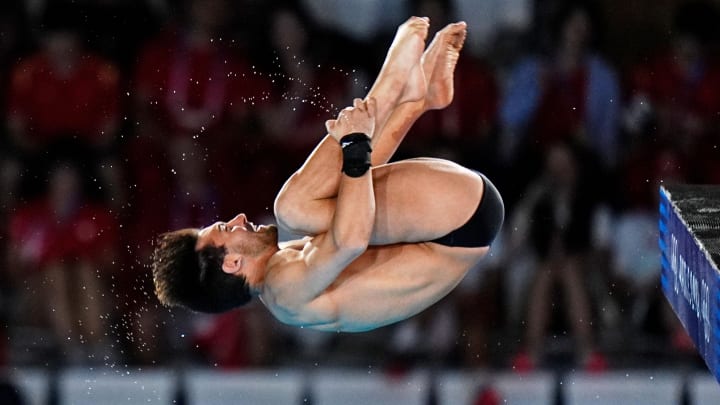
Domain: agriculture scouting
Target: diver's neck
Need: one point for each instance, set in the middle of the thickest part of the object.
(263, 263)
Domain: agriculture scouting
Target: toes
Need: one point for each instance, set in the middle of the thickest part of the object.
(418, 20)
(419, 23)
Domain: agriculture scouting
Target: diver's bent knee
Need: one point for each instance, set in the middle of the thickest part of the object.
(287, 215)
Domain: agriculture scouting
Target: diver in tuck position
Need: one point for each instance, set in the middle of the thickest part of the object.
(385, 240)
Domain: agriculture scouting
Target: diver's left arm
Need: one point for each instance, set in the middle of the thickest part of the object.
(352, 224)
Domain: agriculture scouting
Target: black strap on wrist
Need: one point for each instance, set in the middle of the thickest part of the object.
(356, 154)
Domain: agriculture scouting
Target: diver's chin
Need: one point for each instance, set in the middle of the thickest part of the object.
(270, 230)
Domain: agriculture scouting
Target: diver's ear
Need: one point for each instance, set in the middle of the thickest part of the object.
(232, 263)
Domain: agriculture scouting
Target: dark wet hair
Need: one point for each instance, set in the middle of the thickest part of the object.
(194, 279)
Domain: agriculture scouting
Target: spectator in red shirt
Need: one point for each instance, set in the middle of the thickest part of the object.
(566, 91)
(62, 247)
(64, 97)
(678, 90)
(192, 83)
(63, 91)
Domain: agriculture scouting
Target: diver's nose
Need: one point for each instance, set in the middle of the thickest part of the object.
(239, 220)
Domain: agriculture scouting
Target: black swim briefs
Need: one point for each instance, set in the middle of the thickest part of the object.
(484, 225)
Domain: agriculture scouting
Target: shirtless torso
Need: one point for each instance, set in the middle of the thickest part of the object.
(377, 289)
(397, 279)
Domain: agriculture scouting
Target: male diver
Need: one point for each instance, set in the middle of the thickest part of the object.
(384, 240)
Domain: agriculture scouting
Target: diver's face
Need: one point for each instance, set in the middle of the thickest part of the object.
(238, 235)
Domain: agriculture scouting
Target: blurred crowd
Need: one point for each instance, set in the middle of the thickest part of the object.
(123, 119)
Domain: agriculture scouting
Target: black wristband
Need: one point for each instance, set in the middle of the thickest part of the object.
(356, 154)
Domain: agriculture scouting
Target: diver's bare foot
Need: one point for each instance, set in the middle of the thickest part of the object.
(415, 86)
(439, 61)
(400, 64)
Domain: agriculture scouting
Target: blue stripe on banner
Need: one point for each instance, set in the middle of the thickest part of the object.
(661, 244)
(717, 321)
(664, 262)
(664, 281)
(662, 226)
